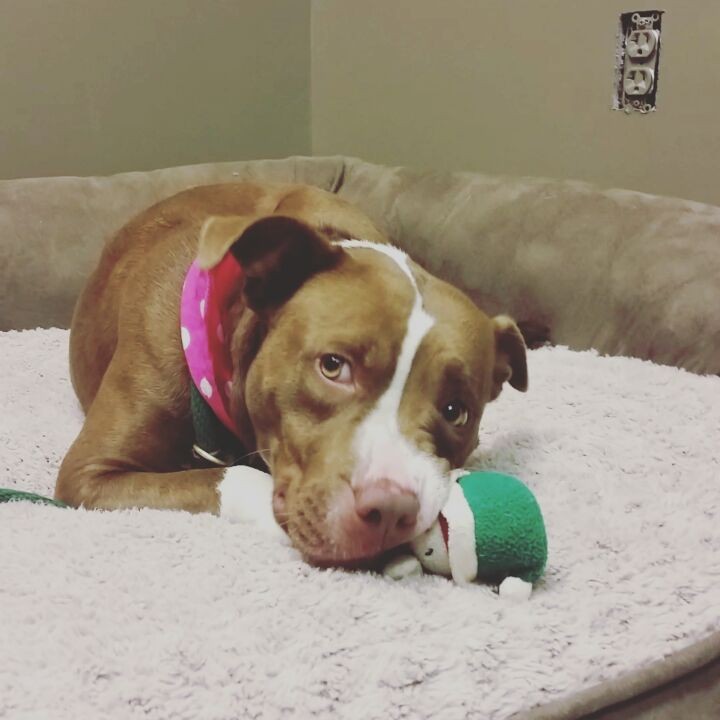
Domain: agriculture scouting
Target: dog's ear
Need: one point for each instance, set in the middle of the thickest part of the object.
(217, 236)
(277, 254)
(510, 356)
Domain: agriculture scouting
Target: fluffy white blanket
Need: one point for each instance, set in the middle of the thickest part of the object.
(147, 614)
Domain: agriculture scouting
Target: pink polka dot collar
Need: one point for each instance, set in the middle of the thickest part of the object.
(206, 299)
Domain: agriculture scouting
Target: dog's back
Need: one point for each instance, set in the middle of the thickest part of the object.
(136, 285)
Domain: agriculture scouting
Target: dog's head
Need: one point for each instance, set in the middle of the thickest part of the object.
(365, 379)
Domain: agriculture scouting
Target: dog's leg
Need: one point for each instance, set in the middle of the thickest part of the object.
(240, 494)
(237, 493)
(126, 454)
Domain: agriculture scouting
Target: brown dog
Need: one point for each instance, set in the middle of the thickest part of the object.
(359, 378)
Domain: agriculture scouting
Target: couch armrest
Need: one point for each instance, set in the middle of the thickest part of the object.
(53, 229)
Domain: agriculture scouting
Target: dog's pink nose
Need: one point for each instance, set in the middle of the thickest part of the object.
(388, 512)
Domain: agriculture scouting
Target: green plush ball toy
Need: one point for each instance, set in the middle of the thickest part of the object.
(490, 529)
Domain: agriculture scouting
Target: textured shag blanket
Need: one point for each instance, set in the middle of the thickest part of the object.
(147, 614)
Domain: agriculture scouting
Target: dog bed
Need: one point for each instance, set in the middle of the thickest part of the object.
(148, 614)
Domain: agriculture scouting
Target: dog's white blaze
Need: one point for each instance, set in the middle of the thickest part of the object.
(419, 324)
(395, 254)
(382, 451)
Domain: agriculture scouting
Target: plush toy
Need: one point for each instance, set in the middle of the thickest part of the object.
(490, 529)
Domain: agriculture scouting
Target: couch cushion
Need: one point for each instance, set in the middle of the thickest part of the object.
(52, 229)
(623, 272)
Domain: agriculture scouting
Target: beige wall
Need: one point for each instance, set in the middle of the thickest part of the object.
(501, 86)
(99, 86)
(516, 87)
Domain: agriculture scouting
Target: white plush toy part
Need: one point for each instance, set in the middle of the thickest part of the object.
(490, 529)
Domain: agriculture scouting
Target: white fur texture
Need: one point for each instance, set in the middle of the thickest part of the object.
(148, 614)
(246, 497)
(382, 451)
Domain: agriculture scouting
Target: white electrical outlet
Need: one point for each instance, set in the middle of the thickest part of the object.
(637, 81)
(642, 43)
(637, 60)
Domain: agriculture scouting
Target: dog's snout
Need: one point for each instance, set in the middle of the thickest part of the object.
(388, 511)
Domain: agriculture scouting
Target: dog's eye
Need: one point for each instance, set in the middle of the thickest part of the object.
(456, 414)
(335, 368)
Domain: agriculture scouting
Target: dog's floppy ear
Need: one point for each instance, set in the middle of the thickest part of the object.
(277, 253)
(510, 356)
(217, 236)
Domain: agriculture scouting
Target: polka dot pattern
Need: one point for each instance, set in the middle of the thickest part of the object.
(206, 388)
(206, 299)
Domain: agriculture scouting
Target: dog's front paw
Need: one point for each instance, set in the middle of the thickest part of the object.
(246, 496)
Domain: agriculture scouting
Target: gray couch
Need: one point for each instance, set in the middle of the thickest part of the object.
(618, 271)
(622, 272)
